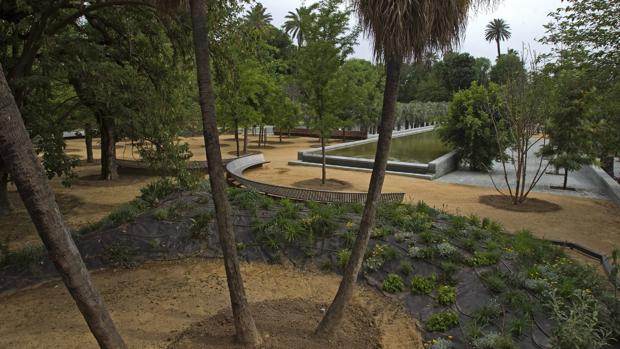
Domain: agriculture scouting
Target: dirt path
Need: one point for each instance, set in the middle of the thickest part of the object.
(594, 223)
(156, 302)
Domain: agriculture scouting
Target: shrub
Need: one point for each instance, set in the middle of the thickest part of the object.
(423, 285)
(494, 281)
(405, 268)
(482, 259)
(200, 225)
(483, 315)
(446, 295)
(441, 322)
(158, 190)
(441, 343)
(493, 340)
(578, 322)
(343, 257)
(393, 283)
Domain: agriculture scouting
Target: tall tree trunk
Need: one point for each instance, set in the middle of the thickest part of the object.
(88, 139)
(499, 52)
(244, 323)
(335, 313)
(19, 155)
(109, 168)
(245, 140)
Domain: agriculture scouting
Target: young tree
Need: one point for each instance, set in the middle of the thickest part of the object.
(401, 30)
(21, 160)
(497, 30)
(244, 322)
(507, 67)
(570, 128)
(468, 126)
(456, 71)
(329, 42)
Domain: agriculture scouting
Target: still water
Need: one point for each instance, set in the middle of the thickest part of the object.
(419, 148)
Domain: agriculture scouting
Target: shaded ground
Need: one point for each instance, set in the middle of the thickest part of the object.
(533, 205)
(153, 304)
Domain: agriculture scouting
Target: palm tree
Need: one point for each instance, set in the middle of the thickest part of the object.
(20, 159)
(402, 30)
(297, 23)
(257, 17)
(244, 322)
(497, 30)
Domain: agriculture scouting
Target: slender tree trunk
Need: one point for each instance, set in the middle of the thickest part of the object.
(88, 139)
(335, 313)
(245, 140)
(264, 136)
(237, 137)
(109, 168)
(323, 162)
(565, 179)
(19, 155)
(244, 323)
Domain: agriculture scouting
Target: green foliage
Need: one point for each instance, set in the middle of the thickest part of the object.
(456, 71)
(508, 67)
(200, 225)
(483, 315)
(405, 268)
(393, 283)
(469, 126)
(343, 257)
(446, 295)
(118, 255)
(153, 192)
(423, 284)
(441, 322)
(483, 258)
(578, 321)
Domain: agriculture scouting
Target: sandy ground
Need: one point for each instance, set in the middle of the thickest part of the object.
(591, 222)
(153, 304)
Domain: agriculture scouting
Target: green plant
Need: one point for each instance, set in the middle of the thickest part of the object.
(429, 237)
(348, 238)
(125, 213)
(449, 272)
(446, 295)
(441, 343)
(486, 313)
(423, 285)
(405, 268)
(483, 258)
(518, 326)
(493, 340)
(118, 255)
(379, 233)
(154, 192)
(441, 322)
(494, 281)
(578, 321)
(343, 257)
(200, 225)
(393, 283)
(163, 214)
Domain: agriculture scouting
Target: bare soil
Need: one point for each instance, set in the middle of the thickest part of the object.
(284, 324)
(161, 302)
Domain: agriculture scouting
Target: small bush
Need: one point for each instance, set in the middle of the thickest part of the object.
(393, 283)
(343, 257)
(423, 285)
(441, 322)
(405, 268)
(486, 313)
(483, 259)
(446, 295)
(494, 281)
(154, 192)
(200, 225)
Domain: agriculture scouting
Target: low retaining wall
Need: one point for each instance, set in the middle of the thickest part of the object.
(236, 168)
(434, 169)
(603, 180)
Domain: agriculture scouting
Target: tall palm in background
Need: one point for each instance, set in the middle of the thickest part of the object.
(297, 23)
(244, 322)
(497, 30)
(401, 30)
(19, 156)
(257, 17)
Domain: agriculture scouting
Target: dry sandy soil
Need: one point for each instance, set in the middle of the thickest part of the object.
(169, 303)
(593, 223)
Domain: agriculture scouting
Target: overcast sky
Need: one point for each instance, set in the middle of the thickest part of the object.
(525, 17)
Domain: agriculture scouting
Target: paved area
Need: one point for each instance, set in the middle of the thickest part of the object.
(581, 181)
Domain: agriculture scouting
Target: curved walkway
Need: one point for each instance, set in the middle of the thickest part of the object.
(235, 169)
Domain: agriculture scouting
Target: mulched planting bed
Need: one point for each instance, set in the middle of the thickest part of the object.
(469, 283)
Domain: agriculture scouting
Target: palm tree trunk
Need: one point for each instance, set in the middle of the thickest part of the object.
(499, 52)
(244, 323)
(88, 139)
(335, 313)
(21, 160)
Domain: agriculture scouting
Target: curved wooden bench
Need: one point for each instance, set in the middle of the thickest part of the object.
(236, 168)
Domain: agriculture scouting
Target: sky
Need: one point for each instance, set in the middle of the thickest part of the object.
(525, 17)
